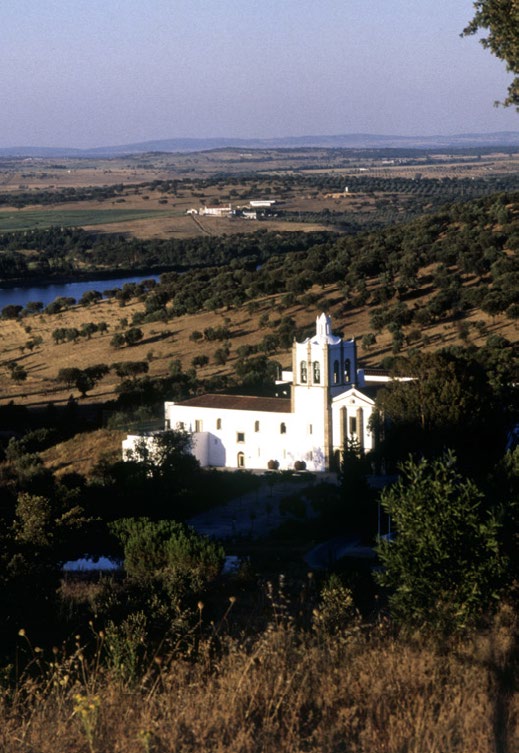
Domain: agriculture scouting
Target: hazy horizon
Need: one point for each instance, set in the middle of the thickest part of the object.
(257, 143)
(97, 73)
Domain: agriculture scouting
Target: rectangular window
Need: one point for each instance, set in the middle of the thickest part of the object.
(180, 426)
(167, 425)
(240, 436)
(310, 429)
(218, 424)
(256, 426)
(353, 425)
(198, 425)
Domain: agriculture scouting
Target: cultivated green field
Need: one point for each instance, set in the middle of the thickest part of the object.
(36, 219)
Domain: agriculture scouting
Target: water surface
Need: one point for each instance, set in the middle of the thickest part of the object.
(23, 294)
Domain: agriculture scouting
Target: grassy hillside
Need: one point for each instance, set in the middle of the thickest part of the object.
(439, 281)
(163, 343)
(80, 453)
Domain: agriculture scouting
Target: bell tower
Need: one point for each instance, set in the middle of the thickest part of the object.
(323, 367)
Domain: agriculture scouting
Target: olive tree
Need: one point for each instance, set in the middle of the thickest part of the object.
(445, 566)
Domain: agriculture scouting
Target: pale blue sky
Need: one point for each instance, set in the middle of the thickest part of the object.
(106, 72)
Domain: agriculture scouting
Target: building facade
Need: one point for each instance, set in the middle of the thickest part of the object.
(331, 402)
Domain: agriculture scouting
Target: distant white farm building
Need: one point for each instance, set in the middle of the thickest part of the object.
(331, 402)
(261, 203)
(218, 211)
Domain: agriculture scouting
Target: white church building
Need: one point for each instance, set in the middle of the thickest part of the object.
(331, 402)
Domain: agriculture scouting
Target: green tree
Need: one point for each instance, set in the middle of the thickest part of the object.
(200, 361)
(59, 335)
(90, 296)
(368, 341)
(257, 370)
(500, 18)
(167, 549)
(83, 379)
(85, 383)
(118, 340)
(11, 311)
(132, 369)
(357, 509)
(444, 568)
(221, 355)
(133, 336)
(33, 520)
(69, 375)
(18, 373)
(439, 400)
(88, 329)
(33, 307)
(33, 342)
(165, 456)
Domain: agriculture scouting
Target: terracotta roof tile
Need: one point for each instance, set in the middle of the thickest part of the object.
(240, 402)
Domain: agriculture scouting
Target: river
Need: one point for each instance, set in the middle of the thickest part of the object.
(23, 294)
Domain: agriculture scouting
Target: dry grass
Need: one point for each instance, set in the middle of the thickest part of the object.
(286, 692)
(81, 453)
(166, 342)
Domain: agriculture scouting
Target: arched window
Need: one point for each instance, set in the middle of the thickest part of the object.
(347, 367)
(317, 373)
(283, 428)
(240, 460)
(336, 370)
(304, 372)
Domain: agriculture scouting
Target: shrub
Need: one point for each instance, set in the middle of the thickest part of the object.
(118, 340)
(199, 361)
(167, 549)
(445, 566)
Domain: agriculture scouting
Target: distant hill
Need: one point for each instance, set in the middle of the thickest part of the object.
(345, 141)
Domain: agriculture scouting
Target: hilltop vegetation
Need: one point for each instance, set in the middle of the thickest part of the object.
(445, 279)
